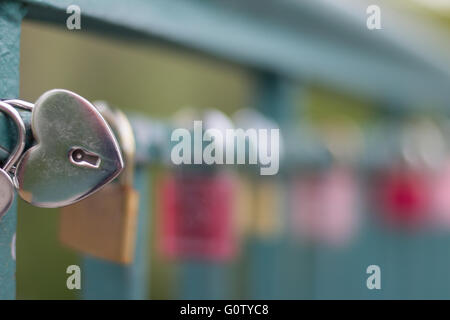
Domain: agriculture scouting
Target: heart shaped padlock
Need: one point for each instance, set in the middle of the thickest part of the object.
(75, 153)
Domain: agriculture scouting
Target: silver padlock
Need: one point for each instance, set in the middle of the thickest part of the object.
(75, 153)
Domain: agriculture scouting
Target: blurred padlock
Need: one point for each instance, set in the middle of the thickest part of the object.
(441, 197)
(196, 216)
(403, 196)
(261, 211)
(259, 207)
(244, 208)
(405, 190)
(104, 225)
(269, 209)
(197, 202)
(324, 199)
(325, 207)
(441, 178)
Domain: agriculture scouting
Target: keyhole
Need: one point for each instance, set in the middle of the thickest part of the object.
(83, 158)
(78, 155)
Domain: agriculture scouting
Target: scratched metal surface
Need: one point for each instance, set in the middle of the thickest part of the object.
(11, 15)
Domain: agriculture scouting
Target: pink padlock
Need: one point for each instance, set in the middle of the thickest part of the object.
(441, 197)
(325, 206)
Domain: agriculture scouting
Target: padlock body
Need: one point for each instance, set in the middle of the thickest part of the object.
(260, 206)
(325, 206)
(268, 220)
(103, 225)
(403, 197)
(6, 192)
(197, 216)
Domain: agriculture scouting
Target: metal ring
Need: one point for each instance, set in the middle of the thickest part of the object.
(20, 104)
(20, 145)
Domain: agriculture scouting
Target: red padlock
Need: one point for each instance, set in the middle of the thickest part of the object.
(405, 191)
(403, 197)
(325, 207)
(197, 219)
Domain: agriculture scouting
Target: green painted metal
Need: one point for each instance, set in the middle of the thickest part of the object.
(414, 263)
(264, 268)
(9, 132)
(200, 280)
(271, 258)
(298, 39)
(108, 280)
(340, 273)
(11, 15)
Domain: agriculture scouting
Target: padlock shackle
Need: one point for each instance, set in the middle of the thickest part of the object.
(20, 104)
(20, 144)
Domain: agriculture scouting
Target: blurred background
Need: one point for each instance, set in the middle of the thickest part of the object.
(362, 181)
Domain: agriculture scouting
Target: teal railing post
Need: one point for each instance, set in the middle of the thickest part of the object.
(203, 280)
(269, 257)
(108, 280)
(296, 255)
(11, 14)
(341, 271)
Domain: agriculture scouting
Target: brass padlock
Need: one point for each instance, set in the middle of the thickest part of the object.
(104, 225)
(269, 208)
(259, 207)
